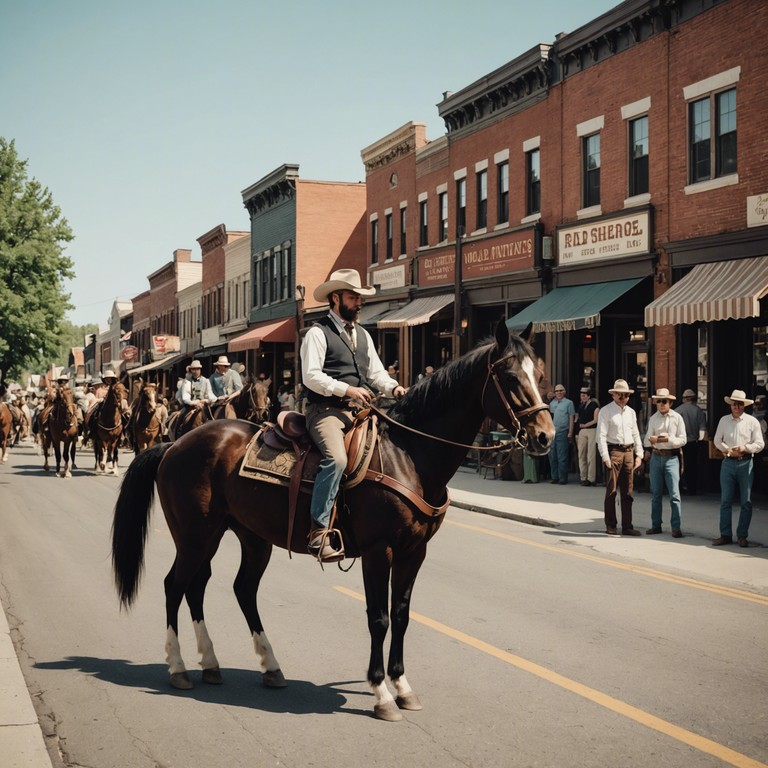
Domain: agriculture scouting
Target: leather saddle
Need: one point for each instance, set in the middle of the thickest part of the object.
(290, 434)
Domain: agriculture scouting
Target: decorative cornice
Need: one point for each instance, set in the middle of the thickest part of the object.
(401, 142)
(515, 85)
(274, 188)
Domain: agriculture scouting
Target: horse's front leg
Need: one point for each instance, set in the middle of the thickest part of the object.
(404, 574)
(57, 453)
(377, 563)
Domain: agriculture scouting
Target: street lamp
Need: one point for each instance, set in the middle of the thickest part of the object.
(457, 329)
(299, 295)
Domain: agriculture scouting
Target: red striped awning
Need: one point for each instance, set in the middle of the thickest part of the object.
(721, 290)
(282, 331)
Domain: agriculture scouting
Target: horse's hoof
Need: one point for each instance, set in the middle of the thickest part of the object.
(387, 711)
(273, 679)
(409, 701)
(181, 681)
(212, 676)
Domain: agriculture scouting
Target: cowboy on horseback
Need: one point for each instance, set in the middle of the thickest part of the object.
(339, 365)
(196, 390)
(225, 382)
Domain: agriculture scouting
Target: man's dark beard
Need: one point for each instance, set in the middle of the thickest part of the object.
(350, 314)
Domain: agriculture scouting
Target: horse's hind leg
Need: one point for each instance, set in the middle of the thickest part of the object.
(255, 558)
(195, 595)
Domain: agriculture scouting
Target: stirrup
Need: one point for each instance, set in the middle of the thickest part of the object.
(321, 547)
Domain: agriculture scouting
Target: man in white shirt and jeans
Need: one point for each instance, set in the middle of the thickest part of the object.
(620, 447)
(664, 440)
(339, 363)
(739, 437)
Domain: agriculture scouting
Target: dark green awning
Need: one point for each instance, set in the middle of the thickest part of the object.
(572, 307)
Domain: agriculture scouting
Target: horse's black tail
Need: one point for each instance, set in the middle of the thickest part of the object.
(130, 525)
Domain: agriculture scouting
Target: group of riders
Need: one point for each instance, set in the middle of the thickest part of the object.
(197, 399)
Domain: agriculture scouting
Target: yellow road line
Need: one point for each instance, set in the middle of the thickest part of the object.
(739, 594)
(700, 743)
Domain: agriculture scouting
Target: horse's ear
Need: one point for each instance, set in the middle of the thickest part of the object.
(502, 335)
(528, 334)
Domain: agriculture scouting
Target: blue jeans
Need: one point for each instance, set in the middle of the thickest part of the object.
(735, 473)
(558, 456)
(665, 470)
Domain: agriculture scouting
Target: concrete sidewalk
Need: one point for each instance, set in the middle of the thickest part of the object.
(575, 512)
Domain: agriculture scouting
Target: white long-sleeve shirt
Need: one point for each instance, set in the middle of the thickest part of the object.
(313, 351)
(617, 426)
(744, 431)
(202, 385)
(670, 424)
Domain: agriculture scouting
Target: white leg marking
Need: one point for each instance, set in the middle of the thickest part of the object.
(401, 686)
(173, 653)
(208, 658)
(264, 652)
(382, 694)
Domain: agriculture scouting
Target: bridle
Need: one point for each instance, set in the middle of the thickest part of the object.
(254, 409)
(518, 417)
(63, 411)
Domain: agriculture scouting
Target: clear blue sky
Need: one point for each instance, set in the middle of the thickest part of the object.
(146, 119)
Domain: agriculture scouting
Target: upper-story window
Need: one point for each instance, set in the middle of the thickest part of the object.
(533, 182)
(442, 202)
(374, 241)
(712, 131)
(403, 236)
(638, 156)
(482, 199)
(502, 193)
(423, 223)
(390, 235)
(591, 169)
(712, 123)
(461, 205)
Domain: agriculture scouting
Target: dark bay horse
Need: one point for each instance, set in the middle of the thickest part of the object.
(62, 430)
(148, 417)
(106, 428)
(203, 495)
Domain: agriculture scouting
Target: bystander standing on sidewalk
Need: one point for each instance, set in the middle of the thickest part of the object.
(664, 441)
(696, 433)
(563, 417)
(739, 437)
(621, 450)
(586, 438)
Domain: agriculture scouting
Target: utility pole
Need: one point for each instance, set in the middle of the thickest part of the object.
(457, 294)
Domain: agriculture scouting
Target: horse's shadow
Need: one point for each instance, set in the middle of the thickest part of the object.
(241, 687)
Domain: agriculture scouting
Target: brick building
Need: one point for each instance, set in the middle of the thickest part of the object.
(301, 231)
(588, 178)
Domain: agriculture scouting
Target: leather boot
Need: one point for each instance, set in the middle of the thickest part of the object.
(321, 542)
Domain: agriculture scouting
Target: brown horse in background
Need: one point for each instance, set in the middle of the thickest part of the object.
(251, 403)
(148, 417)
(106, 428)
(6, 428)
(62, 429)
(203, 495)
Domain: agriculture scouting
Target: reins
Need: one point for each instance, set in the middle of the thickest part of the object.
(519, 437)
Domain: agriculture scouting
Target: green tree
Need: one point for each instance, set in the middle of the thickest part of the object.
(71, 336)
(33, 235)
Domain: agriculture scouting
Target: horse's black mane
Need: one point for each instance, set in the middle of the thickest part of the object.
(433, 395)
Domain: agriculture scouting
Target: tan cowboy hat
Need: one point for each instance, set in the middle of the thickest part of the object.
(195, 364)
(621, 387)
(663, 394)
(688, 393)
(343, 280)
(738, 396)
(223, 360)
(109, 374)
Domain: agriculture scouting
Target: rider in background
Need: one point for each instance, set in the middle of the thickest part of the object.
(225, 381)
(196, 389)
